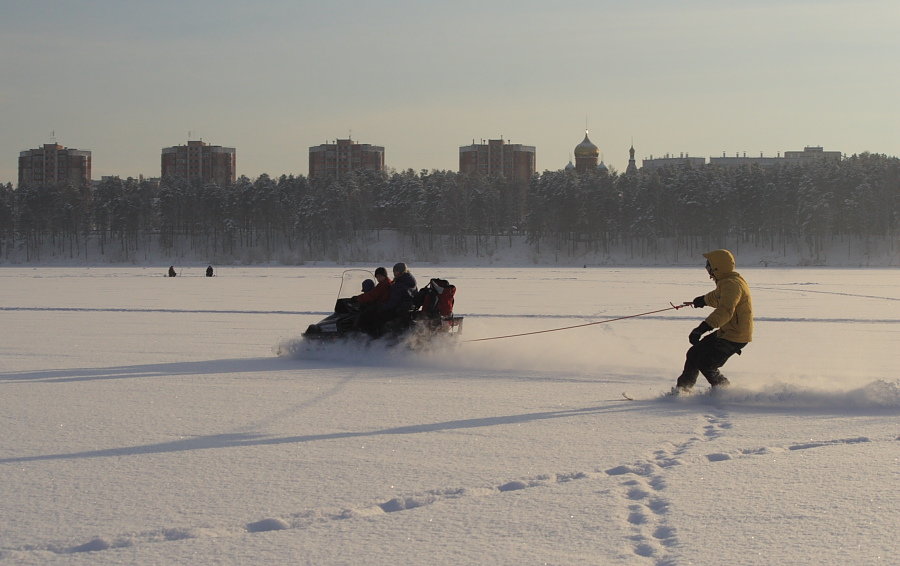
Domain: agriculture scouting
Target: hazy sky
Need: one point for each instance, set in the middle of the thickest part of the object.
(124, 79)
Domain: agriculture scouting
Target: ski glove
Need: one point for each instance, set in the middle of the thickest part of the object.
(699, 302)
(697, 333)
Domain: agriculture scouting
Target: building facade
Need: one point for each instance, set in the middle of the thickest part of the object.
(199, 161)
(515, 162)
(744, 161)
(54, 164)
(339, 159)
(811, 154)
(682, 160)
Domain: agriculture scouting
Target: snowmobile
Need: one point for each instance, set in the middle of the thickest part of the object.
(430, 316)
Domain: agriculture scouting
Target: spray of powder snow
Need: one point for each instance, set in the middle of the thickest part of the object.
(635, 350)
(361, 351)
(879, 395)
(557, 353)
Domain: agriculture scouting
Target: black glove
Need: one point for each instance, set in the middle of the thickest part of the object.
(697, 333)
(699, 302)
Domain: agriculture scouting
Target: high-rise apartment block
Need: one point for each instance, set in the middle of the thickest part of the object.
(200, 161)
(337, 160)
(515, 162)
(54, 164)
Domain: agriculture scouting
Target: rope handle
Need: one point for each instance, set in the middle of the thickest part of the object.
(672, 306)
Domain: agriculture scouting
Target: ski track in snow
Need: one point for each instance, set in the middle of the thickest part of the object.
(642, 487)
(837, 293)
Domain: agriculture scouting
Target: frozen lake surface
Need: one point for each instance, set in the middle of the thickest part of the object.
(148, 420)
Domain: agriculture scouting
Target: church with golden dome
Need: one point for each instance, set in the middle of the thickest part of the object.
(587, 158)
(587, 155)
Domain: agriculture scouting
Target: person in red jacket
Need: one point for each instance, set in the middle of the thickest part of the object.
(380, 293)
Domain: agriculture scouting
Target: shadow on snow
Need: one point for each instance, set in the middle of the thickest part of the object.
(240, 440)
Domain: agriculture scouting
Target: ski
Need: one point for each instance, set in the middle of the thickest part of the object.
(666, 395)
(676, 394)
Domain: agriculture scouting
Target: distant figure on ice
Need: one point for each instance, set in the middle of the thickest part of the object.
(209, 271)
(172, 271)
(733, 316)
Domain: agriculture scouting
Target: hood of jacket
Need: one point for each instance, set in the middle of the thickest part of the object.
(721, 263)
(733, 314)
(406, 280)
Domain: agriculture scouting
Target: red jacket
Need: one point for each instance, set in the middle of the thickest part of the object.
(377, 296)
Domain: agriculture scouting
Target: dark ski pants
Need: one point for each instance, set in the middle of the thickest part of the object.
(707, 357)
(373, 320)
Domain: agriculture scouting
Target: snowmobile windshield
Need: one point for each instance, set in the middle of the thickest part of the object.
(351, 282)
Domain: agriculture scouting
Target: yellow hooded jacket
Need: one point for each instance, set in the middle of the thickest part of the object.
(733, 314)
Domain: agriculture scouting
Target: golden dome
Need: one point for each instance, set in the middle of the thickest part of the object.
(586, 148)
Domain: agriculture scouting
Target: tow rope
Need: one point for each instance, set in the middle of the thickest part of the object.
(673, 306)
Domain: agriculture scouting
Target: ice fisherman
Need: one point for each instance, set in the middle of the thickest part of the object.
(733, 316)
(172, 271)
(209, 271)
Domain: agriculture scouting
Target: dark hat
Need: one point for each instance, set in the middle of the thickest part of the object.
(368, 285)
(381, 271)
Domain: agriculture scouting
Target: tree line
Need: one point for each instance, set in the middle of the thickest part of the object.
(784, 207)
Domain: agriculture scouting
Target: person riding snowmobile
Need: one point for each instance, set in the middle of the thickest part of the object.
(381, 291)
(399, 302)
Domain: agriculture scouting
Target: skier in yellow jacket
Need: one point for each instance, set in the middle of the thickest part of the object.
(733, 316)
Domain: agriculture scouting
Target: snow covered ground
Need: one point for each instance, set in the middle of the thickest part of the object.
(147, 420)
